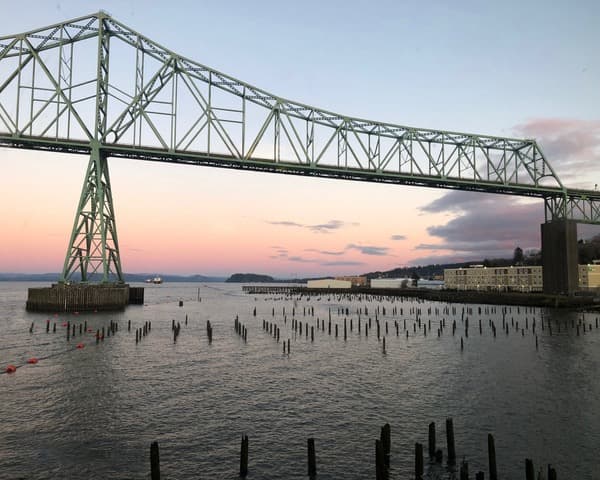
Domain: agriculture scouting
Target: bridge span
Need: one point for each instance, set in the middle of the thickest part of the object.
(94, 86)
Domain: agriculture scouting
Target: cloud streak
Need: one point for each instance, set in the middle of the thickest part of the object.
(368, 249)
(325, 252)
(327, 227)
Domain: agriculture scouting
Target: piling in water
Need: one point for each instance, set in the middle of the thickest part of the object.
(431, 439)
(244, 457)
(450, 441)
(492, 457)
(312, 461)
(418, 460)
(529, 472)
(154, 462)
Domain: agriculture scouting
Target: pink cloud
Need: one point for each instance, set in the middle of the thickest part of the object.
(572, 147)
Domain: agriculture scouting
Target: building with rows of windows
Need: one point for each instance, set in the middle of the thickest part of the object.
(514, 278)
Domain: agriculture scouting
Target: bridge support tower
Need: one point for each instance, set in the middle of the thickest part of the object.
(559, 257)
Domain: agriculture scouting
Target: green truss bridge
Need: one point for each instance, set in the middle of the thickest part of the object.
(94, 86)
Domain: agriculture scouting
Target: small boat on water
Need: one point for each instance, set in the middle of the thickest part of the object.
(156, 280)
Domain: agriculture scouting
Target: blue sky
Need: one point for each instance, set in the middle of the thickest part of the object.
(524, 69)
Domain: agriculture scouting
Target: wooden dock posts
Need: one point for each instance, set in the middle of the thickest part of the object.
(244, 457)
(382, 458)
(154, 462)
(312, 461)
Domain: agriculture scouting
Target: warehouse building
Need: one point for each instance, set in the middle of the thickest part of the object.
(328, 283)
(356, 281)
(390, 282)
(511, 279)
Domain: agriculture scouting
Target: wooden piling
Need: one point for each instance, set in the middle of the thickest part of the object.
(419, 460)
(312, 461)
(464, 470)
(386, 443)
(154, 462)
(244, 457)
(379, 461)
(450, 441)
(529, 472)
(431, 439)
(492, 457)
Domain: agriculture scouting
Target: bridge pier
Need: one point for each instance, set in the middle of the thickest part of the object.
(80, 297)
(559, 257)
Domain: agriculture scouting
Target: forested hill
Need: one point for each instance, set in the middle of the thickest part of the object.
(249, 278)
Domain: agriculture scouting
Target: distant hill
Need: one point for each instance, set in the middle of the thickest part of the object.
(249, 278)
(129, 277)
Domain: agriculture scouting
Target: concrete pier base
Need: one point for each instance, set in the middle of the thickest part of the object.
(559, 257)
(83, 298)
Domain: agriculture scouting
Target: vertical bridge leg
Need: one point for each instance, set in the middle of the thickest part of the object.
(94, 249)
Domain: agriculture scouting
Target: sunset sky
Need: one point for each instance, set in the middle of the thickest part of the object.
(515, 68)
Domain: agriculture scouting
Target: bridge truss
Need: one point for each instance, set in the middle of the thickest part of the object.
(94, 86)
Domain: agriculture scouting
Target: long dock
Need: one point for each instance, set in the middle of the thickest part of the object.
(451, 296)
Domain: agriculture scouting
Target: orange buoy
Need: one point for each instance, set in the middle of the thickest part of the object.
(32, 360)
(80, 345)
(11, 369)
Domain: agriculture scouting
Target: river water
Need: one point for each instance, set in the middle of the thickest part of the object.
(93, 412)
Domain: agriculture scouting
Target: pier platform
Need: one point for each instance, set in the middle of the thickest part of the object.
(83, 297)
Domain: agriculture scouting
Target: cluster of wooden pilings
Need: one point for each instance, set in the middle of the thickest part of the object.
(383, 458)
(240, 329)
(416, 314)
(141, 331)
(176, 329)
